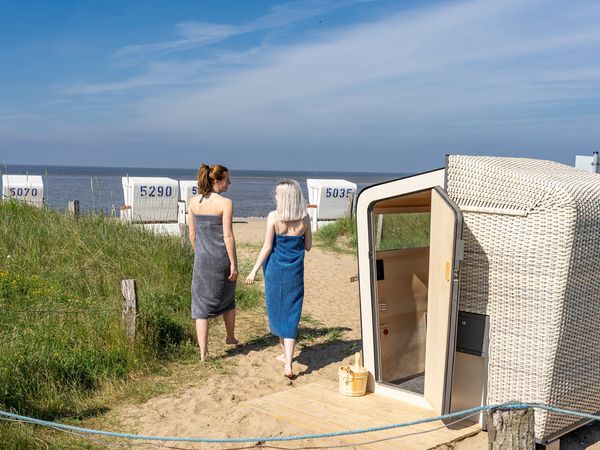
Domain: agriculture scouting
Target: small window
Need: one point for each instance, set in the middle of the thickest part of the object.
(403, 230)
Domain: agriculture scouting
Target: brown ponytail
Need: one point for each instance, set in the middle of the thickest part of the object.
(207, 175)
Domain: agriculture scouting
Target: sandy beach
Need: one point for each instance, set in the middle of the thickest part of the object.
(216, 406)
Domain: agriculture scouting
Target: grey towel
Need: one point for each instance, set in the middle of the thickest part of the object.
(212, 293)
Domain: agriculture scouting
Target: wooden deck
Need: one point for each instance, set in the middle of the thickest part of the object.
(319, 408)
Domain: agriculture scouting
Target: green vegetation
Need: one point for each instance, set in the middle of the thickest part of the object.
(62, 343)
(406, 230)
(64, 355)
(339, 236)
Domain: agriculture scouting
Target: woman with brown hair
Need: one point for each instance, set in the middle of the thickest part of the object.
(210, 224)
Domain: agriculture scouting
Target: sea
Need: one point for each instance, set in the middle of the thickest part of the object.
(100, 189)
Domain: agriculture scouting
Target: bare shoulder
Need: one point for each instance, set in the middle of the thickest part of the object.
(272, 217)
(193, 202)
(225, 201)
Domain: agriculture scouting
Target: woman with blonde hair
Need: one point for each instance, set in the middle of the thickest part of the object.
(210, 225)
(288, 236)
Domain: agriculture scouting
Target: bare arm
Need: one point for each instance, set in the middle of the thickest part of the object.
(307, 235)
(229, 239)
(191, 226)
(265, 250)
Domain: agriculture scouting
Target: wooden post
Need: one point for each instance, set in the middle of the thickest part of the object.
(185, 237)
(511, 429)
(379, 229)
(130, 307)
(74, 208)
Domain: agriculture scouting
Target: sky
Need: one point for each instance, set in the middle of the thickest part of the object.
(347, 85)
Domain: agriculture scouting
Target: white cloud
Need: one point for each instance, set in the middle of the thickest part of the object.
(443, 64)
(193, 34)
(198, 34)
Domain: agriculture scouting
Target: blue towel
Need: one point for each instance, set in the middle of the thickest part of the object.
(284, 285)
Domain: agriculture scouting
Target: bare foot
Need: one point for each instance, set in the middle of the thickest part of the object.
(281, 358)
(230, 340)
(289, 375)
(203, 357)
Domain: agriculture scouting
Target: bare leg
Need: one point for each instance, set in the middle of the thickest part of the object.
(288, 350)
(229, 319)
(202, 335)
(281, 357)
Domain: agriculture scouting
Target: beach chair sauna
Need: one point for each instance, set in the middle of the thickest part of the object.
(329, 200)
(152, 202)
(24, 188)
(497, 297)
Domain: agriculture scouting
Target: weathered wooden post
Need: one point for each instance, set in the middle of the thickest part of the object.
(130, 307)
(74, 208)
(185, 237)
(379, 229)
(511, 429)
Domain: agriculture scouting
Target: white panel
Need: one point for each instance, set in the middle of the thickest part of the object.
(586, 163)
(151, 199)
(366, 198)
(26, 188)
(171, 229)
(187, 189)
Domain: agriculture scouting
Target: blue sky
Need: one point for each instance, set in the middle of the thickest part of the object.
(311, 85)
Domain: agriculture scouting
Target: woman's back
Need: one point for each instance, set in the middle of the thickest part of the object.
(290, 228)
(211, 204)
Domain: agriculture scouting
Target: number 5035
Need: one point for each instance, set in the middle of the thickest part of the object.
(338, 192)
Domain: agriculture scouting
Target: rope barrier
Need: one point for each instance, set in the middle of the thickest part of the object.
(466, 412)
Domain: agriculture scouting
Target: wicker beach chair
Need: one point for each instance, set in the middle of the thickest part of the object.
(532, 264)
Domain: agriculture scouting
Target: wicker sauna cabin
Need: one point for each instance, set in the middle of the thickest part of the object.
(502, 304)
(532, 264)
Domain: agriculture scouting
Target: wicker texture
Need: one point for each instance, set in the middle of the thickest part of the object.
(532, 263)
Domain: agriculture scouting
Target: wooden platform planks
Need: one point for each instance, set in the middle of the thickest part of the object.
(319, 408)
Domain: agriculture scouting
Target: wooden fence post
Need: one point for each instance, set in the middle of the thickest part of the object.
(379, 229)
(351, 206)
(511, 429)
(130, 307)
(185, 237)
(74, 208)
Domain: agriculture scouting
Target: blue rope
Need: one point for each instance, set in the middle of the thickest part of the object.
(466, 412)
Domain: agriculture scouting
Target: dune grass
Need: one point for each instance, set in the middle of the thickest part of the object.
(61, 338)
(406, 230)
(339, 236)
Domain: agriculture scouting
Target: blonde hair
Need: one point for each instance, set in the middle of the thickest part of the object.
(290, 201)
(207, 175)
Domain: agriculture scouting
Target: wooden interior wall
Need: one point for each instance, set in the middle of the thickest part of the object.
(402, 297)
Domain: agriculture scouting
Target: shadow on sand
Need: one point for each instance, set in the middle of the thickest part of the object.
(319, 347)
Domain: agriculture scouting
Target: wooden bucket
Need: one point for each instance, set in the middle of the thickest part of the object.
(353, 379)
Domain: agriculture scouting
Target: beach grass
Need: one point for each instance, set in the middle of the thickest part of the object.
(406, 230)
(64, 354)
(339, 236)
